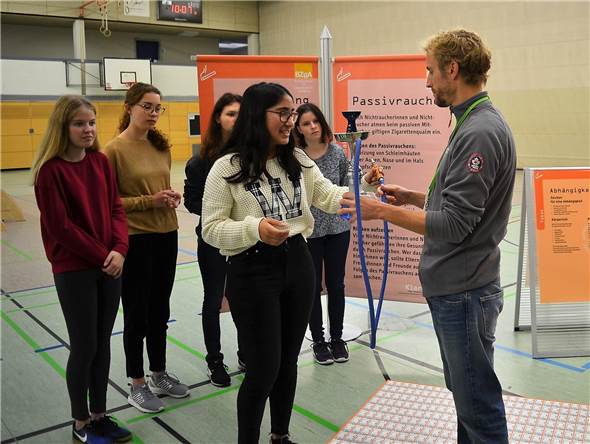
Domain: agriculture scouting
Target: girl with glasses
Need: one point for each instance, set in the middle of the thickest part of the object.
(140, 156)
(84, 233)
(256, 210)
(331, 235)
(211, 264)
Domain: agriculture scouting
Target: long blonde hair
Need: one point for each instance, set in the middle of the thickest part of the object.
(57, 139)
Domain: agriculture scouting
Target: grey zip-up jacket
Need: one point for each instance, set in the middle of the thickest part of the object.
(467, 212)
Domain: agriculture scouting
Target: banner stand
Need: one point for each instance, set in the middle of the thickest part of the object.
(554, 260)
(522, 309)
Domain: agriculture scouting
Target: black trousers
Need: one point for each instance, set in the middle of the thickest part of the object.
(148, 278)
(89, 300)
(270, 292)
(213, 267)
(329, 254)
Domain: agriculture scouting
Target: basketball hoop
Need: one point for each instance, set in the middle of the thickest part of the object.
(129, 84)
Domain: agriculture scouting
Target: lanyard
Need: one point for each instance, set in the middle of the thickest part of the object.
(457, 126)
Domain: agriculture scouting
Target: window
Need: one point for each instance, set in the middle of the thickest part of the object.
(145, 49)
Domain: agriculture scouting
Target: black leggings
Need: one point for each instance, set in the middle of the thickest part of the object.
(148, 278)
(89, 300)
(329, 253)
(270, 292)
(213, 267)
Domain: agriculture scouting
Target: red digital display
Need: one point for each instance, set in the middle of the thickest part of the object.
(180, 11)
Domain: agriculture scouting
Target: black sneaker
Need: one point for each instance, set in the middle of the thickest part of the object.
(218, 375)
(322, 353)
(241, 363)
(339, 350)
(108, 428)
(282, 440)
(88, 435)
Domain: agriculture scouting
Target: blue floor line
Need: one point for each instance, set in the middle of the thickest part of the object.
(54, 347)
(498, 346)
(189, 252)
(187, 262)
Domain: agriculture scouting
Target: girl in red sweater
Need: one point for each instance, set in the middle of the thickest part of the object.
(84, 233)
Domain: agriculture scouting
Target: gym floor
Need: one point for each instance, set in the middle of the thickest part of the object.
(35, 405)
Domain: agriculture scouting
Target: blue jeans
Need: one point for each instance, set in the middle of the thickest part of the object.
(465, 324)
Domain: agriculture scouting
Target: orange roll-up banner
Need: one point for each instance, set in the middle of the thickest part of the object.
(407, 134)
(562, 214)
(218, 74)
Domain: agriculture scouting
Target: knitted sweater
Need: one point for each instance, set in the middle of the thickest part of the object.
(82, 219)
(233, 211)
(142, 171)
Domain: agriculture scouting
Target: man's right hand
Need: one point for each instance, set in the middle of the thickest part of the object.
(273, 232)
(397, 195)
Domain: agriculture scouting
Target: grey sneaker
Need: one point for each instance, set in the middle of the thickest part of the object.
(167, 384)
(143, 399)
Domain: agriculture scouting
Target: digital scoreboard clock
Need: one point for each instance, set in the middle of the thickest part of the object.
(180, 11)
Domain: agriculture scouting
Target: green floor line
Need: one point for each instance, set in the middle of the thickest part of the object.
(196, 276)
(25, 337)
(135, 438)
(315, 418)
(185, 266)
(509, 295)
(50, 304)
(302, 411)
(185, 347)
(16, 250)
(184, 404)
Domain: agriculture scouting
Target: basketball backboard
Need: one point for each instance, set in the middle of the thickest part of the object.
(120, 73)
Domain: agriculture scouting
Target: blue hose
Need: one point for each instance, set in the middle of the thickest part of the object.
(385, 270)
(359, 226)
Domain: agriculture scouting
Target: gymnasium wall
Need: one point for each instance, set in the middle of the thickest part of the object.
(30, 88)
(33, 76)
(20, 41)
(540, 67)
(238, 16)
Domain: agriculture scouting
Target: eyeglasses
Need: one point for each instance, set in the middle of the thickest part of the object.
(285, 114)
(151, 108)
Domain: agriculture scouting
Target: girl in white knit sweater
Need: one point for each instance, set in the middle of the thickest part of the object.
(256, 210)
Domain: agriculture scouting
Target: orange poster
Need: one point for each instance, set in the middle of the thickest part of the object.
(407, 134)
(562, 210)
(218, 74)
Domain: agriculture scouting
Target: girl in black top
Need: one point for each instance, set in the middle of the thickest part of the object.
(211, 264)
